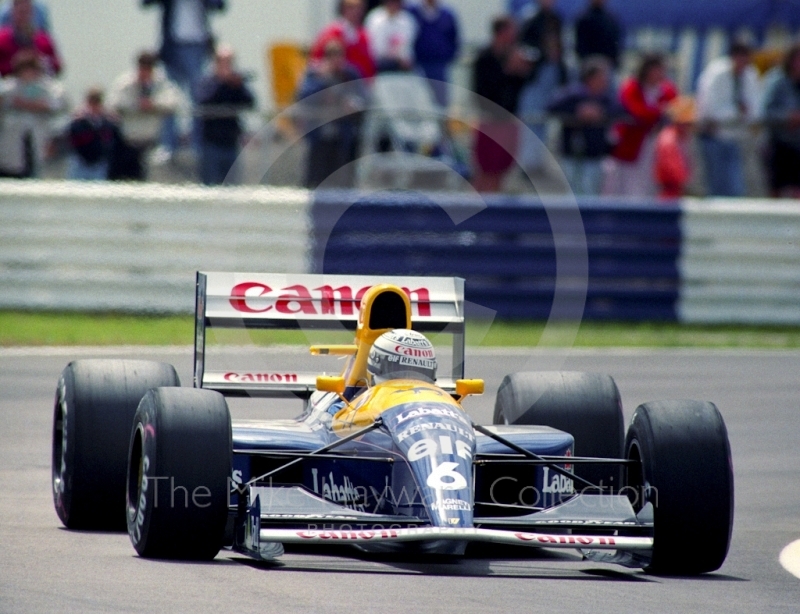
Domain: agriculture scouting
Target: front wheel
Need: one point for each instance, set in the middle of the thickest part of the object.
(682, 473)
(178, 471)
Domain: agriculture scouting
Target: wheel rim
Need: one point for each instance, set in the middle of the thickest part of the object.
(634, 479)
(59, 443)
(136, 473)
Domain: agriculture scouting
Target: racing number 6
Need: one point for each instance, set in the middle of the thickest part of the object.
(456, 481)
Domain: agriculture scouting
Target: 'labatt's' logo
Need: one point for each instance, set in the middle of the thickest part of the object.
(255, 297)
(556, 483)
(346, 494)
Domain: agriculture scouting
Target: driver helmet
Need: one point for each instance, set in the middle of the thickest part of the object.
(401, 354)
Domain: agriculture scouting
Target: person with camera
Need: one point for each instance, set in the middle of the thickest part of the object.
(586, 110)
(142, 98)
(348, 30)
(499, 73)
(221, 96)
(331, 99)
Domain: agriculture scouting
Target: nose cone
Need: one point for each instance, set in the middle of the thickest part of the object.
(438, 441)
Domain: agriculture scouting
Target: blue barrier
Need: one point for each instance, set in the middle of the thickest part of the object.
(506, 250)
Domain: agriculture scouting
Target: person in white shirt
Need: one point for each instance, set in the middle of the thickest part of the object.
(142, 98)
(29, 99)
(728, 100)
(392, 32)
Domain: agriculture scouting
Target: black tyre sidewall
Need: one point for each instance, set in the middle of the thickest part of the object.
(98, 398)
(686, 462)
(63, 478)
(186, 443)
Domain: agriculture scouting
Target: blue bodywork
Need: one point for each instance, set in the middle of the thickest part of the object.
(420, 465)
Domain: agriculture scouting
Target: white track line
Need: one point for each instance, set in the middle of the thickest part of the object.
(790, 558)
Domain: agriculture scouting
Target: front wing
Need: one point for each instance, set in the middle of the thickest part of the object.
(417, 534)
(292, 515)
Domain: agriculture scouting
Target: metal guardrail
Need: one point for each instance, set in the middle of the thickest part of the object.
(740, 262)
(135, 247)
(66, 245)
(506, 251)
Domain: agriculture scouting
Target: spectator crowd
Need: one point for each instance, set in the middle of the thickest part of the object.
(628, 135)
(618, 134)
(115, 135)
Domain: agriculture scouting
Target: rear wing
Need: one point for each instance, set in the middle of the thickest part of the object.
(312, 302)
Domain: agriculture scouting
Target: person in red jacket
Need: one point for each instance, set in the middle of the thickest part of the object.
(644, 98)
(348, 30)
(673, 162)
(22, 34)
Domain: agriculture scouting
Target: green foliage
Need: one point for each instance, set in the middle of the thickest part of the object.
(639, 334)
(46, 328)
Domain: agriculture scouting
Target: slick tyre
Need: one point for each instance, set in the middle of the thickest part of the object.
(585, 405)
(178, 471)
(683, 473)
(92, 419)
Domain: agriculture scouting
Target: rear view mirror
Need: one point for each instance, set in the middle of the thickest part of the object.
(466, 387)
(330, 383)
(334, 350)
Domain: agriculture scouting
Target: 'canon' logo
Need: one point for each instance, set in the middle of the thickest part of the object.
(579, 540)
(255, 297)
(260, 377)
(358, 535)
(416, 352)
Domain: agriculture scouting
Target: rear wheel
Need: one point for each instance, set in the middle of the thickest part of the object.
(684, 475)
(178, 471)
(585, 405)
(94, 407)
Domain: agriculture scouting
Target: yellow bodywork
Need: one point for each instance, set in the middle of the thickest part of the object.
(333, 350)
(369, 404)
(355, 373)
(373, 402)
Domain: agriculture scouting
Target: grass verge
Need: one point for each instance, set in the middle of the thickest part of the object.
(19, 328)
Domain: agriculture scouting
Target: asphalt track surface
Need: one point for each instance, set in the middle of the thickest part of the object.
(45, 568)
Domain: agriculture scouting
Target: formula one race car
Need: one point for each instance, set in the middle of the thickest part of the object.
(383, 463)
